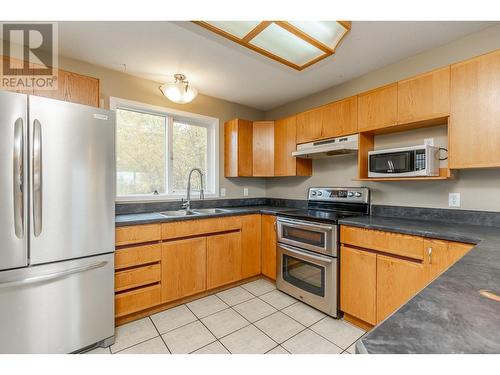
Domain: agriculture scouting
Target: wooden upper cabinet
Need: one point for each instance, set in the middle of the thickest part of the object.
(310, 125)
(331, 120)
(340, 118)
(378, 108)
(285, 142)
(424, 97)
(238, 144)
(75, 88)
(71, 87)
(474, 129)
(263, 148)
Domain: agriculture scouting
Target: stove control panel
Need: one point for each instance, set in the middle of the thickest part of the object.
(334, 194)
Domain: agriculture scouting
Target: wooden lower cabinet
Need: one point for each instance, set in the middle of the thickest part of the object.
(358, 280)
(159, 264)
(250, 245)
(137, 299)
(397, 281)
(223, 259)
(136, 277)
(376, 281)
(183, 268)
(268, 245)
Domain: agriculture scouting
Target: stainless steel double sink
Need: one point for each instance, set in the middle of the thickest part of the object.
(194, 212)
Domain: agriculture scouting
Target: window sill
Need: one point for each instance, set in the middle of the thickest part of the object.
(161, 198)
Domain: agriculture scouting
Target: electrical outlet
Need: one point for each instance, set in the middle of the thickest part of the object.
(245, 192)
(454, 200)
(429, 141)
(222, 192)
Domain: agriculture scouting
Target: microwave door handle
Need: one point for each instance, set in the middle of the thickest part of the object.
(37, 178)
(18, 178)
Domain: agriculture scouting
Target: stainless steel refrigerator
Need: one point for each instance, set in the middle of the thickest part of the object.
(57, 184)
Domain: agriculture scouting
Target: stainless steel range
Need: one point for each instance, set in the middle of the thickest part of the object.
(308, 245)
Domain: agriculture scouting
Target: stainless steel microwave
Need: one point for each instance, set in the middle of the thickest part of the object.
(413, 161)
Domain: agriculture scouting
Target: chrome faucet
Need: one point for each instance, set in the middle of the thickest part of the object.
(187, 204)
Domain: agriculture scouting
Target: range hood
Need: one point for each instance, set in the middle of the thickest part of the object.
(328, 147)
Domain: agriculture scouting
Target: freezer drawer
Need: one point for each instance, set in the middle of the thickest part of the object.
(57, 308)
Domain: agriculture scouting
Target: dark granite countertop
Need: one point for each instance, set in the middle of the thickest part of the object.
(155, 217)
(449, 315)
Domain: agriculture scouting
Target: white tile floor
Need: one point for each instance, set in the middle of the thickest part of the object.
(252, 318)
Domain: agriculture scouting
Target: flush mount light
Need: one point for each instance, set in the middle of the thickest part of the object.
(298, 44)
(179, 91)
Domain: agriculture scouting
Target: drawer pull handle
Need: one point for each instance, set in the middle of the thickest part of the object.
(430, 255)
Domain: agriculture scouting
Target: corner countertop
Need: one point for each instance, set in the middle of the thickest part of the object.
(156, 217)
(449, 315)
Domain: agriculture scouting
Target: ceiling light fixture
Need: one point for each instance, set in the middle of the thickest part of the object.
(297, 44)
(180, 91)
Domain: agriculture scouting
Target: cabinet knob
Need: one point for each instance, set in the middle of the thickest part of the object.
(430, 254)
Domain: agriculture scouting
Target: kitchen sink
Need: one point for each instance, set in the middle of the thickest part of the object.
(179, 213)
(210, 210)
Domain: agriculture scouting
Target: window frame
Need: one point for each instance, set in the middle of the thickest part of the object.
(171, 115)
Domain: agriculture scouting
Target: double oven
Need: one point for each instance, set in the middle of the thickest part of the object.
(308, 266)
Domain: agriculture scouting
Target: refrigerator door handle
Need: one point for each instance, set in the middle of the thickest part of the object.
(18, 178)
(37, 178)
(52, 276)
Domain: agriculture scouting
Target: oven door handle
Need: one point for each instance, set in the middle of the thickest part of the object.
(305, 256)
(306, 226)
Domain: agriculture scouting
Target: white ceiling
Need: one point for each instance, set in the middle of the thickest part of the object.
(226, 70)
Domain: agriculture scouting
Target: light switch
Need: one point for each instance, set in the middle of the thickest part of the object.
(222, 192)
(245, 192)
(454, 200)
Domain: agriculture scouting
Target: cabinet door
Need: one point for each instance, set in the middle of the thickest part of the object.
(424, 97)
(183, 268)
(441, 255)
(378, 108)
(358, 283)
(397, 281)
(75, 88)
(310, 125)
(16, 63)
(285, 142)
(238, 146)
(474, 129)
(263, 148)
(340, 118)
(223, 259)
(269, 246)
(250, 245)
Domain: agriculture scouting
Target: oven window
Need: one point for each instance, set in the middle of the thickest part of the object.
(304, 275)
(304, 236)
(398, 162)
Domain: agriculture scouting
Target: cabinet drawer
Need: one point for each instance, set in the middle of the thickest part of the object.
(387, 242)
(199, 227)
(136, 277)
(137, 234)
(137, 300)
(136, 256)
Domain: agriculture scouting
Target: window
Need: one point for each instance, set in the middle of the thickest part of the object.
(157, 147)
